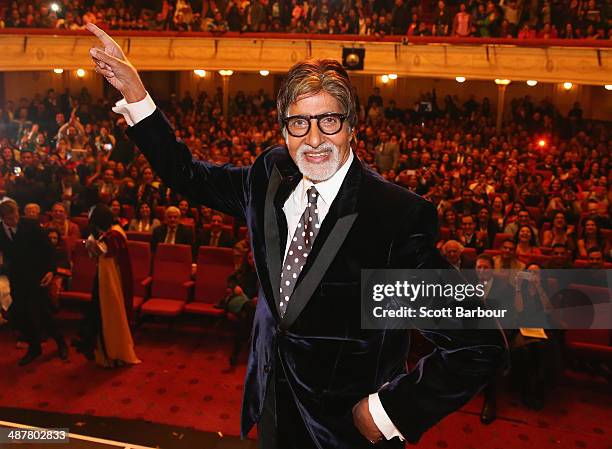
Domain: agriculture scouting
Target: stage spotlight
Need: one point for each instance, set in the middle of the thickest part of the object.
(199, 72)
(226, 72)
(80, 73)
(58, 71)
(567, 85)
(608, 87)
(541, 143)
(55, 7)
(532, 83)
(384, 79)
(502, 82)
(392, 76)
(460, 79)
(264, 72)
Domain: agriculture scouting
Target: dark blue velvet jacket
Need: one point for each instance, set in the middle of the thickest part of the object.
(329, 361)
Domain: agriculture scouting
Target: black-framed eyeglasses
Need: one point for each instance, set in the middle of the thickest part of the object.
(329, 123)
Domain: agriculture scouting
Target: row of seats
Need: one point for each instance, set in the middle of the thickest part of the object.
(162, 284)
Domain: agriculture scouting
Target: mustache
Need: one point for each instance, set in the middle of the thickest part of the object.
(326, 146)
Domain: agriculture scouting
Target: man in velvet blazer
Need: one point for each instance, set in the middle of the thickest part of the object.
(315, 379)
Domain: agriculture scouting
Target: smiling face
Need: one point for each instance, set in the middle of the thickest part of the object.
(318, 155)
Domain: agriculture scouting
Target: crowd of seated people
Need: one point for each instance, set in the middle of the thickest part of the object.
(522, 19)
(538, 186)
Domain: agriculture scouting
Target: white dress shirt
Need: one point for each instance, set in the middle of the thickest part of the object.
(293, 208)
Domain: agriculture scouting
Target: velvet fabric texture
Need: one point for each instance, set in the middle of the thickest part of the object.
(329, 362)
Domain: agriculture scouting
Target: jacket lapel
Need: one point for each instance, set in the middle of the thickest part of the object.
(275, 226)
(334, 229)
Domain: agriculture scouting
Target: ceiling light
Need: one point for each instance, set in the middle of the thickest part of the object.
(58, 71)
(199, 72)
(384, 79)
(392, 76)
(226, 72)
(264, 72)
(502, 82)
(567, 85)
(460, 79)
(608, 87)
(80, 73)
(532, 83)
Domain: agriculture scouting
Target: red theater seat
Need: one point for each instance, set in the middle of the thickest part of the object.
(139, 236)
(171, 281)
(140, 257)
(499, 238)
(83, 274)
(214, 267)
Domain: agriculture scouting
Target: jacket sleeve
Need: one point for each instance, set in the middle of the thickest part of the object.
(462, 361)
(223, 188)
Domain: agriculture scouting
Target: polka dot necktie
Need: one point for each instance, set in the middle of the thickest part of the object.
(300, 246)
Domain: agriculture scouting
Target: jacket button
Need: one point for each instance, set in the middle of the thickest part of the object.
(266, 368)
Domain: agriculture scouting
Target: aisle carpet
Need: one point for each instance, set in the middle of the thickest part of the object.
(184, 380)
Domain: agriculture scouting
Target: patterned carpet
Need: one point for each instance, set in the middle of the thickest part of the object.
(184, 380)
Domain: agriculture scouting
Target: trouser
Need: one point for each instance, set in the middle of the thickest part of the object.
(32, 316)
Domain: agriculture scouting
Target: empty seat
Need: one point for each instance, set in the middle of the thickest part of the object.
(140, 258)
(215, 265)
(83, 274)
(171, 281)
(139, 236)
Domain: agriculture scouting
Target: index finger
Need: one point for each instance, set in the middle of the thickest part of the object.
(100, 34)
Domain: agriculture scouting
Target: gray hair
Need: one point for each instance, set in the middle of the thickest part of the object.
(311, 77)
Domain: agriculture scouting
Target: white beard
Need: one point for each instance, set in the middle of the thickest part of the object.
(322, 171)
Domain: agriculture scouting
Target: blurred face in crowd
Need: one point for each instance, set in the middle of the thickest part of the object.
(216, 222)
(484, 269)
(507, 250)
(183, 207)
(58, 212)
(54, 238)
(559, 221)
(115, 208)
(524, 234)
(559, 254)
(172, 217)
(592, 209)
(452, 252)
(26, 158)
(145, 210)
(596, 260)
(318, 155)
(523, 218)
(468, 225)
(109, 176)
(590, 228)
(31, 211)
(147, 175)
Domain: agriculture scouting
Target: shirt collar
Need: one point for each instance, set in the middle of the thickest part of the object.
(329, 188)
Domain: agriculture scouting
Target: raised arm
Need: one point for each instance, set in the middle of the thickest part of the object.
(223, 188)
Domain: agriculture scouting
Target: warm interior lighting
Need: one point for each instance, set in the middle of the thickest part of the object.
(541, 143)
(460, 79)
(567, 85)
(502, 82)
(58, 71)
(80, 73)
(392, 76)
(531, 83)
(384, 79)
(199, 72)
(608, 86)
(264, 72)
(226, 72)
(55, 7)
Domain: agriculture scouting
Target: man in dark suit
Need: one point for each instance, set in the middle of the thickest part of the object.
(28, 260)
(215, 235)
(311, 208)
(172, 231)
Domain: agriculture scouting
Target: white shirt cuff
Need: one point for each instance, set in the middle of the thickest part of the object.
(381, 419)
(135, 112)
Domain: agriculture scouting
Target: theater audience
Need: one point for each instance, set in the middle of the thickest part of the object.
(144, 220)
(172, 231)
